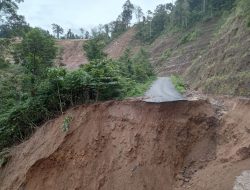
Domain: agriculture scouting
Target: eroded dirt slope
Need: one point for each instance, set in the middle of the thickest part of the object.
(117, 47)
(135, 145)
(71, 54)
(170, 56)
(113, 145)
(225, 67)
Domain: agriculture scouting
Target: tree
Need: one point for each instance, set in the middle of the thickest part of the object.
(94, 48)
(70, 35)
(138, 13)
(87, 35)
(57, 30)
(82, 32)
(127, 13)
(149, 19)
(36, 51)
(11, 24)
(8, 10)
(56, 76)
(107, 30)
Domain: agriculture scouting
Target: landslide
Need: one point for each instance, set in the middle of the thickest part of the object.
(225, 67)
(134, 145)
(213, 56)
(70, 53)
(126, 40)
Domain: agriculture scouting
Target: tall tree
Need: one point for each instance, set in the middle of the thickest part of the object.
(87, 35)
(82, 32)
(57, 30)
(127, 13)
(37, 50)
(11, 24)
(70, 34)
(138, 13)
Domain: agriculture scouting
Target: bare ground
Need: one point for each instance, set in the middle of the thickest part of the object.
(138, 146)
(71, 54)
(117, 47)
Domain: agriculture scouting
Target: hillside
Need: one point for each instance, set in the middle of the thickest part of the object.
(225, 67)
(117, 47)
(212, 56)
(71, 54)
(160, 105)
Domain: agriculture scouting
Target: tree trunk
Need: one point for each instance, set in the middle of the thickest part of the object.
(59, 96)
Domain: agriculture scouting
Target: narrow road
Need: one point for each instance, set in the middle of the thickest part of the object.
(162, 90)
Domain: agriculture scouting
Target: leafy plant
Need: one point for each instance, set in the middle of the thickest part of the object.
(191, 36)
(178, 83)
(66, 123)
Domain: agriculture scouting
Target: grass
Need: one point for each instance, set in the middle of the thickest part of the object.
(178, 83)
(166, 54)
(188, 37)
(140, 88)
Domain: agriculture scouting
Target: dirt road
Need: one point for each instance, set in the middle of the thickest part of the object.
(162, 90)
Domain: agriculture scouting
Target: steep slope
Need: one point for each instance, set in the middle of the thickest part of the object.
(225, 67)
(169, 54)
(113, 145)
(117, 47)
(135, 145)
(232, 153)
(71, 54)
(212, 57)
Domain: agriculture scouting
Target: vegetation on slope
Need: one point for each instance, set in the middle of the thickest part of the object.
(178, 83)
(225, 67)
(33, 91)
(179, 16)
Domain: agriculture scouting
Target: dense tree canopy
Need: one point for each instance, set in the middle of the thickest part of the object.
(181, 15)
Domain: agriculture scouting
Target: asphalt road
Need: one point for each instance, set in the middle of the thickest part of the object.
(162, 90)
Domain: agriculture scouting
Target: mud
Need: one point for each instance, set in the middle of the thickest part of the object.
(134, 145)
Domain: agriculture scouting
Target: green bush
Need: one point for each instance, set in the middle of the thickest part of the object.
(178, 83)
(28, 99)
(191, 36)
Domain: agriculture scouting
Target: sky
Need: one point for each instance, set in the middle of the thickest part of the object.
(75, 14)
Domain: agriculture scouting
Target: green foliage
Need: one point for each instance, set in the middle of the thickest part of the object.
(36, 52)
(12, 24)
(166, 54)
(178, 83)
(127, 13)
(188, 37)
(181, 15)
(137, 72)
(57, 30)
(66, 123)
(243, 10)
(136, 89)
(94, 48)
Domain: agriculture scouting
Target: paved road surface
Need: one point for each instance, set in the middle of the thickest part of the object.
(243, 181)
(162, 90)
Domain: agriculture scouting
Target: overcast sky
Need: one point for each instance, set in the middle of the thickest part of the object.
(77, 13)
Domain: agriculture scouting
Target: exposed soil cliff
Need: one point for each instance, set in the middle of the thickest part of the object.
(135, 145)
